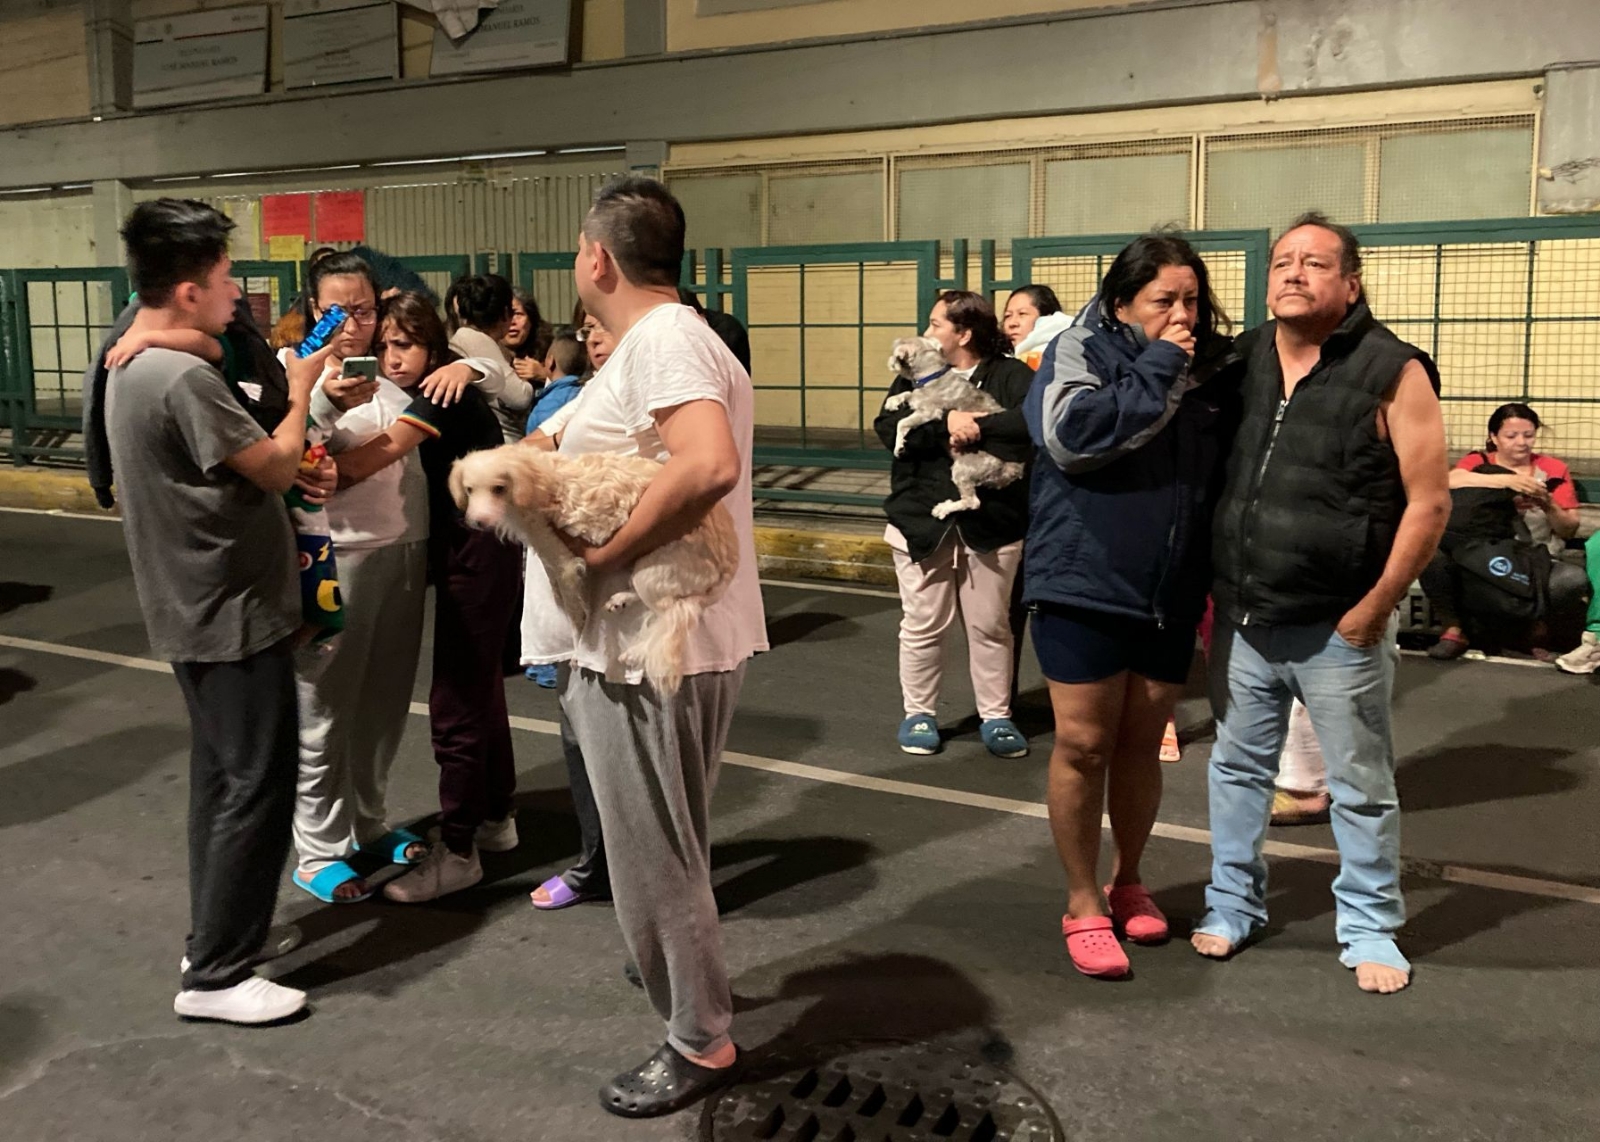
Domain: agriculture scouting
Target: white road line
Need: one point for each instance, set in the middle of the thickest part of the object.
(1432, 870)
(62, 513)
(807, 585)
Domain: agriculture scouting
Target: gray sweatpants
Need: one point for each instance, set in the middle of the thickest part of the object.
(355, 699)
(653, 764)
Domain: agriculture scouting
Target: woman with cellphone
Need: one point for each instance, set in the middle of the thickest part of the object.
(355, 690)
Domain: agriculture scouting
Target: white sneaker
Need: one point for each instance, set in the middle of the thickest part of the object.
(281, 940)
(1584, 658)
(497, 836)
(490, 837)
(438, 874)
(256, 1000)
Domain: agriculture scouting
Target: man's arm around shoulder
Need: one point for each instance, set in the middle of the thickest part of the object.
(273, 463)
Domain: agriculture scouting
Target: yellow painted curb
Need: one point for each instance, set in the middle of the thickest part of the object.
(780, 551)
(784, 552)
(46, 490)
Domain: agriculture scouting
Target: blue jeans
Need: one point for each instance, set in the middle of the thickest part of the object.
(1255, 673)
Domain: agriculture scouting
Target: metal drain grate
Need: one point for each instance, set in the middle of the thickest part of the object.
(882, 1093)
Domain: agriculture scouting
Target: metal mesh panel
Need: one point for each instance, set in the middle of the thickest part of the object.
(821, 325)
(1469, 168)
(1506, 321)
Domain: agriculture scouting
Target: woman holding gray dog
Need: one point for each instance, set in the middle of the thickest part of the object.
(1132, 409)
(965, 564)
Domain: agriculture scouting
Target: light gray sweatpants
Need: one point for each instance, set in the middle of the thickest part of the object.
(653, 764)
(355, 700)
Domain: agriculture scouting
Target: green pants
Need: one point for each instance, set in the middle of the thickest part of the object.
(1591, 558)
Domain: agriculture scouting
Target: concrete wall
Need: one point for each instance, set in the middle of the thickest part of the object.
(44, 71)
(1060, 64)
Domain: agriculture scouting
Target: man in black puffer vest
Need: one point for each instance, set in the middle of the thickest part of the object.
(1336, 497)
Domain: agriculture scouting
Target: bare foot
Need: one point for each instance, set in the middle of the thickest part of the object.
(1212, 947)
(717, 1060)
(1381, 979)
(351, 890)
(540, 897)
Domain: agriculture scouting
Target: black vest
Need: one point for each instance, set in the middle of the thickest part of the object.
(1313, 498)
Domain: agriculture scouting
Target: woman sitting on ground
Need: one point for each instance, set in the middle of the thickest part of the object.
(1536, 487)
(1032, 320)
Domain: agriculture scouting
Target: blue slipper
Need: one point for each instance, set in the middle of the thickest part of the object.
(392, 846)
(1003, 739)
(323, 884)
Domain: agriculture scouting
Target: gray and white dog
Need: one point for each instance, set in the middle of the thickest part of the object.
(935, 391)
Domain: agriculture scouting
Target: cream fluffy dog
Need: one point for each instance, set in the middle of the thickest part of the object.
(936, 391)
(528, 494)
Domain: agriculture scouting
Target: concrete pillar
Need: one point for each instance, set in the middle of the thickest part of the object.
(1569, 144)
(111, 203)
(644, 27)
(108, 30)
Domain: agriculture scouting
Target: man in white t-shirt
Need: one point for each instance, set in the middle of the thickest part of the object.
(671, 391)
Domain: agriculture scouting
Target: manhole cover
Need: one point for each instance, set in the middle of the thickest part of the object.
(882, 1093)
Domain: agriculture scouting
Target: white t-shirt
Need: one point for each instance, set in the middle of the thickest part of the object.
(390, 506)
(670, 357)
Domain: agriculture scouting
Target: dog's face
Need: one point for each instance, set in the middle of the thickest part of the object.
(915, 357)
(488, 484)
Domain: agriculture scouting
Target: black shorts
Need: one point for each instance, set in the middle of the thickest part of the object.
(1075, 644)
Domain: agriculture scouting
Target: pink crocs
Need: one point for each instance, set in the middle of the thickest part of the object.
(1093, 946)
(1136, 914)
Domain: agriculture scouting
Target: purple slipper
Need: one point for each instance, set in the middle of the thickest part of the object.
(560, 895)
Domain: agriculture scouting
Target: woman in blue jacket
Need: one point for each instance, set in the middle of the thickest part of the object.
(1131, 410)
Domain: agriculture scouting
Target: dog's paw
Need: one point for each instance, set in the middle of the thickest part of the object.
(620, 600)
(944, 509)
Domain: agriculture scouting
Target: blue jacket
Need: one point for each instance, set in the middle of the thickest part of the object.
(1131, 441)
(556, 395)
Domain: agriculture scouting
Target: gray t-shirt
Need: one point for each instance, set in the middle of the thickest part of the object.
(213, 555)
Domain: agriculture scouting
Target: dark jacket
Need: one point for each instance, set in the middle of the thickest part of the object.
(920, 478)
(250, 367)
(1131, 443)
(1313, 498)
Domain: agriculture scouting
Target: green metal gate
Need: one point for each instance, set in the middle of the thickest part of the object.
(51, 327)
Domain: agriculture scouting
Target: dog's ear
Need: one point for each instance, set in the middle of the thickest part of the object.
(458, 484)
(524, 477)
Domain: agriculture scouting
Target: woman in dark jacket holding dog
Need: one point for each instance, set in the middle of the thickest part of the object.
(964, 564)
(1132, 410)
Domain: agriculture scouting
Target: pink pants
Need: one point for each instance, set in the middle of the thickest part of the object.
(955, 580)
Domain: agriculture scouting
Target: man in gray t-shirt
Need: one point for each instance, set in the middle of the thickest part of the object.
(213, 554)
(214, 560)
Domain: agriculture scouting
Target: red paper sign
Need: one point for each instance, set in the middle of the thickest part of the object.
(342, 216)
(285, 214)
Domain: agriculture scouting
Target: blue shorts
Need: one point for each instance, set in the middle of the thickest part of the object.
(1075, 645)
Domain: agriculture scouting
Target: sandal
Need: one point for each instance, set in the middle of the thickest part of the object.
(560, 896)
(1136, 914)
(1092, 944)
(663, 1083)
(328, 880)
(393, 845)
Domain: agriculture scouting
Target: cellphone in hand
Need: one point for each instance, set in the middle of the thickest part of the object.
(333, 317)
(365, 367)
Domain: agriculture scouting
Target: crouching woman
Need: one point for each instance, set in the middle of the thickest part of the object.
(1131, 410)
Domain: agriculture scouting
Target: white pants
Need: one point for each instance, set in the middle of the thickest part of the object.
(1301, 768)
(955, 580)
(355, 701)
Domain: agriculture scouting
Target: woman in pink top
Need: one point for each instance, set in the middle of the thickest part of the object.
(1543, 493)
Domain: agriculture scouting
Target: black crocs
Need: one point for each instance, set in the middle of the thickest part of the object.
(663, 1083)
